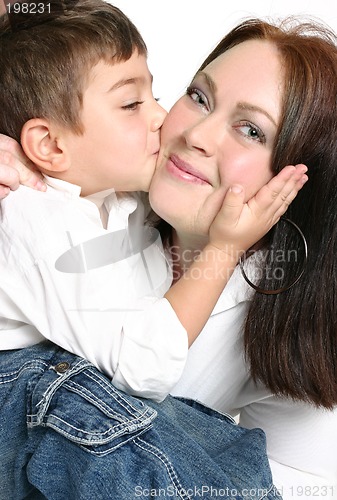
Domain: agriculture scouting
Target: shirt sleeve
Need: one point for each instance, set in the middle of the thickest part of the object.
(107, 313)
(153, 351)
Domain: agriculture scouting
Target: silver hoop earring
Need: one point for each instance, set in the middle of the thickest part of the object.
(295, 280)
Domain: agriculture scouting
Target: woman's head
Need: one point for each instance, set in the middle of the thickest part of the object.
(289, 71)
(220, 133)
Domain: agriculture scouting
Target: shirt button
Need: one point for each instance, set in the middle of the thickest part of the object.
(62, 367)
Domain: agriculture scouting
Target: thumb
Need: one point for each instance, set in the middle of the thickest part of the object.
(232, 204)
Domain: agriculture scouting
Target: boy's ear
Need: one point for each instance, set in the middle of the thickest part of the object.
(43, 146)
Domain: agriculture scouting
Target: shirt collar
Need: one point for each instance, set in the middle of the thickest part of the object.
(99, 198)
(72, 189)
(125, 201)
(119, 205)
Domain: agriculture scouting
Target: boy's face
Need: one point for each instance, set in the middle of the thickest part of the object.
(121, 122)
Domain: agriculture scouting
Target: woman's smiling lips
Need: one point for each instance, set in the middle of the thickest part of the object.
(179, 168)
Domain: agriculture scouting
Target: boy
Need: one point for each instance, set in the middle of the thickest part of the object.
(77, 267)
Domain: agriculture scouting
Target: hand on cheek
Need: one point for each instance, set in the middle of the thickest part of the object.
(238, 225)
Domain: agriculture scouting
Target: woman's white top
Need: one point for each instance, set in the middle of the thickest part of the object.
(301, 439)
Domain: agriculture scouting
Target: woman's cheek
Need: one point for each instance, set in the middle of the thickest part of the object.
(174, 124)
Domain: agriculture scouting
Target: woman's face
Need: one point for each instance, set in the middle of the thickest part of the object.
(220, 133)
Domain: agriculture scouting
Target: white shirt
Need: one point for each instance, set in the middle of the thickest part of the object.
(64, 278)
(301, 440)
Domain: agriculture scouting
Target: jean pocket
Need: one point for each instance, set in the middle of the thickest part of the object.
(83, 406)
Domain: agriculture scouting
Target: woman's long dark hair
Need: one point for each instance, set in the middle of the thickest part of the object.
(291, 338)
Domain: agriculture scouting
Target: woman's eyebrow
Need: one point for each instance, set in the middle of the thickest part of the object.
(241, 105)
(208, 80)
(245, 106)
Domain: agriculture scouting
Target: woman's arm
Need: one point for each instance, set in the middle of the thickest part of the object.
(16, 169)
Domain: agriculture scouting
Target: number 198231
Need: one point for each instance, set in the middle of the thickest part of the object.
(312, 491)
(28, 8)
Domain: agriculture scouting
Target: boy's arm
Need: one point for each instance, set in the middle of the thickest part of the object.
(234, 230)
(16, 169)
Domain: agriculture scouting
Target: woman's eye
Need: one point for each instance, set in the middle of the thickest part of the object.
(197, 96)
(132, 106)
(252, 132)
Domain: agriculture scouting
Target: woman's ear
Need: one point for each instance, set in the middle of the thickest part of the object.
(43, 146)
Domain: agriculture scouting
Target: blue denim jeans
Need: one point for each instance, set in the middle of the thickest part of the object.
(68, 434)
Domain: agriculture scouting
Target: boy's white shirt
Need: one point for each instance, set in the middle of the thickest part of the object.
(113, 314)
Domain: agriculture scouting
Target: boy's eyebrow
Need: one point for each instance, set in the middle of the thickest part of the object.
(128, 81)
(241, 105)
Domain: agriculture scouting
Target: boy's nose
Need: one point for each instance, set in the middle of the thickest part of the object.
(158, 118)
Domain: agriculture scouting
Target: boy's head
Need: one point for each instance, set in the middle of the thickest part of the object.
(68, 84)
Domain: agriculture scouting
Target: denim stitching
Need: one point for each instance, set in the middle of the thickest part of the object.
(116, 430)
(45, 400)
(95, 441)
(130, 424)
(87, 394)
(117, 395)
(52, 388)
(86, 446)
(17, 373)
(168, 465)
(109, 389)
(79, 389)
(112, 448)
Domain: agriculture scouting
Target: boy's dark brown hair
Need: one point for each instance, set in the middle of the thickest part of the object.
(45, 64)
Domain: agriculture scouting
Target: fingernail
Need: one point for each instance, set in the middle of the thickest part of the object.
(236, 189)
(303, 168)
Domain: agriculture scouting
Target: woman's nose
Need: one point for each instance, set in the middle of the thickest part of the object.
(202, 137)
(159, 116)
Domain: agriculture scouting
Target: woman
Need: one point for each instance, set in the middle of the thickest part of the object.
(242, 119)
(282, 376)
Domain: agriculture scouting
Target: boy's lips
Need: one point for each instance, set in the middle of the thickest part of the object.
(185, 171)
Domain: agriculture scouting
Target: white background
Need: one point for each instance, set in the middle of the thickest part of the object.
(180, 33)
